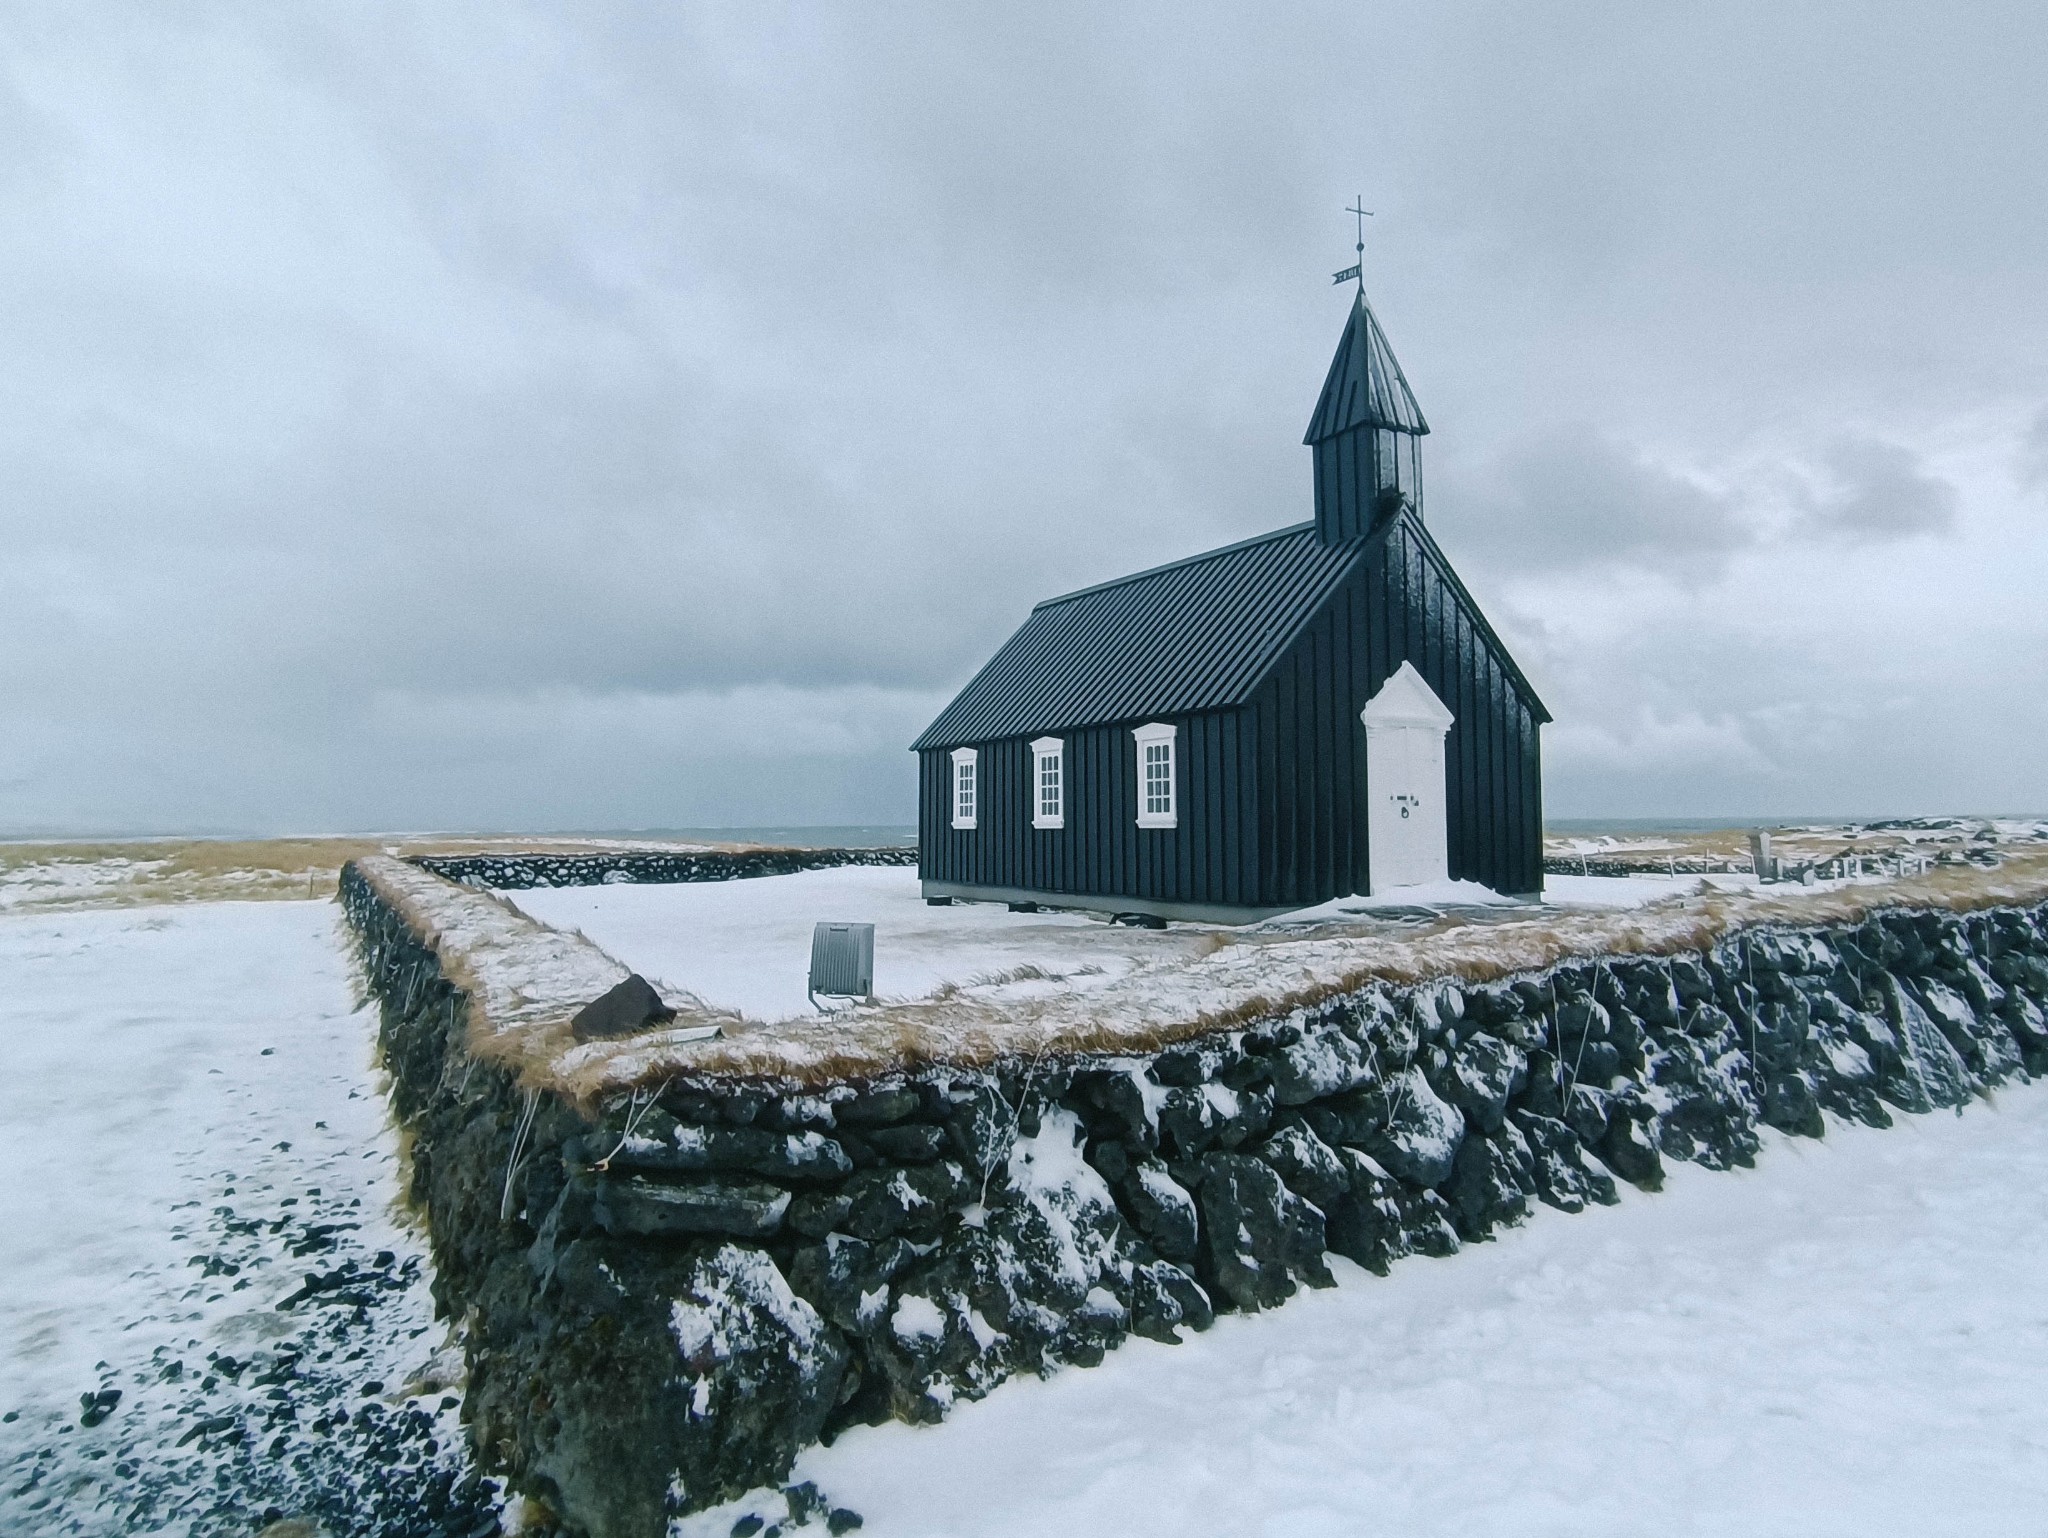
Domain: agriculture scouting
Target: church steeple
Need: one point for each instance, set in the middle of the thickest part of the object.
(1366, 434)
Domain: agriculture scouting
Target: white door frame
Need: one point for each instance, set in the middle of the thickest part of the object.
(1406, 827)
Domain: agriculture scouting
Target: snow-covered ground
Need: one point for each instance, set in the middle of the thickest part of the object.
(1850, 1339)
(190, 1127)
(746, 945)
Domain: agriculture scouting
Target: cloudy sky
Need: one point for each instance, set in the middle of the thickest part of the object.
(609, 415)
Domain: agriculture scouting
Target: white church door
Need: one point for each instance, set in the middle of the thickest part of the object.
(1406, 830)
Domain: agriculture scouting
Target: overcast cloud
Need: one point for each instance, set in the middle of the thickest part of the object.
(557, 416)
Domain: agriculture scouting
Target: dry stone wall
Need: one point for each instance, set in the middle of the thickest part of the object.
(667, 1303)
(516, 872)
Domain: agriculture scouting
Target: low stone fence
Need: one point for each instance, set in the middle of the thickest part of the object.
(667, 1301)
(510, 872)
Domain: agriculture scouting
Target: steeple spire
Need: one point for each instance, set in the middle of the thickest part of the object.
(1366, 433)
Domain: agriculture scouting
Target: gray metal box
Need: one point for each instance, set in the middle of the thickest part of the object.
(842, 961)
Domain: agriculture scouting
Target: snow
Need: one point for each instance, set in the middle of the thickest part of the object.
(1428, 894)
(1848, 1339)
(190, 1123)
(917, 1318)
(1019, 984)
(135, 1042)
(746, 945)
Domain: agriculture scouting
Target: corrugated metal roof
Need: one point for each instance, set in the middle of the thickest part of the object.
(1196, 635)
(1365, 386)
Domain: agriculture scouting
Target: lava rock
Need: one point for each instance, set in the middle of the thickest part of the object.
(1161, 1209)
(882, 1203)
(648, 1207)
(847, 1279)
(1262, 1238)
(1368, 1224)
(1164, 1297)
(1418, 1139)
(1562, 1178)
(1308, 1165)
(630, 1007)
(760, 1369)
(1491, 1182)
(1191, 1121)
(1790, 1106)
(818, 1213)
(981, 1125)
(1986, 1048)
(877, 1108)
(1482, 1075)
(1630, 1150)
(681, 1148)
(1324, 1061)
(914, 1142)
(1926, 1071)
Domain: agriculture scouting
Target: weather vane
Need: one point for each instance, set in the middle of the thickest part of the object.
(1357, 271)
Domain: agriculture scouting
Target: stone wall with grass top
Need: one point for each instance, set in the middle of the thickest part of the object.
(517, 872)
(670, 1296)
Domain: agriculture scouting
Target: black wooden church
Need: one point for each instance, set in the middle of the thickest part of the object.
(1318, 712)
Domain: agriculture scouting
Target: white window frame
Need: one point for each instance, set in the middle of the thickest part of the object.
(1049, 750)
(1158, 734)
(967, 808)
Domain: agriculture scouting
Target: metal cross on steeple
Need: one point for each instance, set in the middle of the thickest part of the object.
(1358, 271)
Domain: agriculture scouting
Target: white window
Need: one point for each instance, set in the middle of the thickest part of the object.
(964, 787)
(1155, 776)
(1049, 783)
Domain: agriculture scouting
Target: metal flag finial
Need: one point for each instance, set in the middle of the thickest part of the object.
(1358, 270)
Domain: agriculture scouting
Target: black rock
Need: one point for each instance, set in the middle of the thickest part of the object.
(914, 1142)
(1491, 1183)
(1308, 1165)
(1367, 1224)
(758, 1368)
(1631, 1152)
(1419, 1137)
(1112, 1104)
(1347, 1119)
(847, 1279)
(1482, 1075)
(1563, 1179)
(648, 1207)
(684, 1149)
(1161, 1209)
(817, 1213)
(981, 1125)
(1163, 1297)
(804, 1502)
(630, 1007)
(882, 1203)
(95, 1408)
(1262, 1238)
(1192, 1121)
(877, 1107)
(1324, 1062)
(1925, 1071)
(1790, 1106)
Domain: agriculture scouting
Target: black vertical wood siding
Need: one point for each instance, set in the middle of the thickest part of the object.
(1211, 857)
(1271, 794)
(1403, 606)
